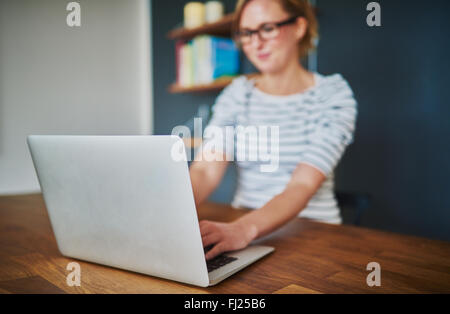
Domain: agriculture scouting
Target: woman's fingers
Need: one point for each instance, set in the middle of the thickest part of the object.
(225, 237)
(205, 227)
(210, 239)
(218, 249)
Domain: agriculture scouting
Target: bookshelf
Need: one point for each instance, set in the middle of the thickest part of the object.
(220, 28)
(213, 87)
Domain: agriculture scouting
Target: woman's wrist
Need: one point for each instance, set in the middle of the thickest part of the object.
(249, 230)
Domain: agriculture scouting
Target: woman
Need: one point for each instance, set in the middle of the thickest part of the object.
(315, 115)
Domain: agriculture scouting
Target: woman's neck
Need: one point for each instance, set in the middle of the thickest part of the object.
(291, 80)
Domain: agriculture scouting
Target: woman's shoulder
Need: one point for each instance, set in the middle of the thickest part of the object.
(326, 86)
(241, 81)
(237, 88)
(332, 80)
(333, 85)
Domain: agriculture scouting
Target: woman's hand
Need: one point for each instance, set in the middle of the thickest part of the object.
(226, 236)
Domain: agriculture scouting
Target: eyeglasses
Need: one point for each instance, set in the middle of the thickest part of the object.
(265, 32)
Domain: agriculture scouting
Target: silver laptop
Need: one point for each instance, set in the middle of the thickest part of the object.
(127, 202)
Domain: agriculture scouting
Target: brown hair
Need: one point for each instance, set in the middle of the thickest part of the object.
(295, 7)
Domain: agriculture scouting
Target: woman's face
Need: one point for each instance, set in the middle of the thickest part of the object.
(272, 55)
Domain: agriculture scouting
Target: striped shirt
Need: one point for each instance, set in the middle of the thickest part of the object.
(314, 128)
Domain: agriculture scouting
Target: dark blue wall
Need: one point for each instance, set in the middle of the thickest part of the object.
(400, 76)
(399, 73)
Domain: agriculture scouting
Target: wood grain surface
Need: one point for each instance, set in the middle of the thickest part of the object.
(310, 257)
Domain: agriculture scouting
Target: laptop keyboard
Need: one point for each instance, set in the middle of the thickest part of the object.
(218, 261)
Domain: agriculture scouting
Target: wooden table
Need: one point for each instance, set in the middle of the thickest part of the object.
(310, 257)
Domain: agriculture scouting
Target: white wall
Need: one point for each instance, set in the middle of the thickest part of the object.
(54, 79)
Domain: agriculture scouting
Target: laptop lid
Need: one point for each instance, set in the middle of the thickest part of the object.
(122, 201)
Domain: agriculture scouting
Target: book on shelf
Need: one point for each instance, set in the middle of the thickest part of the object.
(205, 59)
